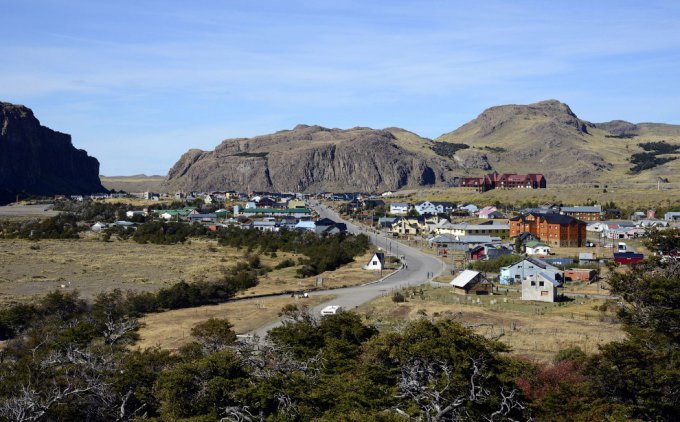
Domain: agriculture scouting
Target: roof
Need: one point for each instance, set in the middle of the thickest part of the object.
(464, 278)
(560, 219)
(534, 243)
(546, 276)
(276, 210)
(477, 239)
(398, 204)
(468, 226)
(595, 208)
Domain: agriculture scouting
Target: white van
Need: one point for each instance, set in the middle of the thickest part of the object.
(331, 310)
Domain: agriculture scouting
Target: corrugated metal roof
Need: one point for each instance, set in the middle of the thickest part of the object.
(464, 278)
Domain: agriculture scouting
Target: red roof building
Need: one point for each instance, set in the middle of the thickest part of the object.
(505, 181)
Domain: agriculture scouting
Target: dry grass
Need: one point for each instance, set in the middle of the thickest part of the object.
(534, 329)
(137, 183)
(31, 269)
(171, 329)
(640, 198)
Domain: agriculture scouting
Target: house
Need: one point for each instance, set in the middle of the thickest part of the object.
(326, 225)
(202, 218)
(471, 281)
(628, 257)
(586, 257)
(487, 251)
(441, 241)
(469, 208)
(585, 275)
(407, 226)
(386, 222)
(467, 229)
(377, 262)
(490, 212)
(305, 226)
(266, 225)
(132, 213)
(553, 229)
(672, 216)
(528, 266)
(505, 181)
(98, 226)
(399, 208)
(536, 248)
(429, 207)
(540, 287)
(591, 213)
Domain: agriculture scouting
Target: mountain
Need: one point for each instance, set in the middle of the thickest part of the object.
(546, 137)
(314, 158)
(36, 160)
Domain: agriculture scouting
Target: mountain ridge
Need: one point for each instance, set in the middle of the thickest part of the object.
(544, 137)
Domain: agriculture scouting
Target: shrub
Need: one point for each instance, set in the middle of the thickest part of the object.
(397, 297)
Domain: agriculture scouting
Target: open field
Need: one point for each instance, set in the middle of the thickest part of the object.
(640, 198)
(29, 269)
(534, 329)
(21, 211)
(137, 183)
(172, 329)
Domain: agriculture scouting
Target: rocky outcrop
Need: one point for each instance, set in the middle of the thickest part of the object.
(35, 160)
(313, 158)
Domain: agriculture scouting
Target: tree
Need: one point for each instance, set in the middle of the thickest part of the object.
(639, 376)
(214, 334)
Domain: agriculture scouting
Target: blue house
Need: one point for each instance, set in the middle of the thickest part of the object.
(528, 267)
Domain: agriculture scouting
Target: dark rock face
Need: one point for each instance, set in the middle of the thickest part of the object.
(35, 160)
(619, 128)
(309, 158)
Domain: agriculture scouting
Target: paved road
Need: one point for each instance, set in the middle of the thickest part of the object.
(417, 266)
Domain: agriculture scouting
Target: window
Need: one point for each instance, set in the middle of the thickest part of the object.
(540, 283)
(375, 262)
(533, 283)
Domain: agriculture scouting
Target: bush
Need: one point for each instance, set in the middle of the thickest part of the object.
(285, 264)
(494, 265)
(397, 297)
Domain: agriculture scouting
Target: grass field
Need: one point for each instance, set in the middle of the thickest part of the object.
(640, 198)
(534, 329)
(138, 183)
(171, 329)
(29, 269)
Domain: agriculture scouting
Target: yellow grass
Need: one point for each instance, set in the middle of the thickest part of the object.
(31, 269)
(172, 329)
(534, 329)
(638, 198)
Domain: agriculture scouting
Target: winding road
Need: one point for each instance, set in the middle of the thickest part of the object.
(417, 266)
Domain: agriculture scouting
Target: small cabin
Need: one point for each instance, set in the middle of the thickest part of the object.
(471, 282)
(377, 262)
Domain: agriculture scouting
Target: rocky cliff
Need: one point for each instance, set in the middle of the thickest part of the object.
(313, 158)
(35, 160)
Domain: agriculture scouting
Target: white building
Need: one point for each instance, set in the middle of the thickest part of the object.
(399, 208)
(540, 287)
(377, 262)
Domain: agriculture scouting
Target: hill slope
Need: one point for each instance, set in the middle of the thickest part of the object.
(35, 160)
(547, 137)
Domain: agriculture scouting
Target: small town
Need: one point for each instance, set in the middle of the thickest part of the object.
(383, 211)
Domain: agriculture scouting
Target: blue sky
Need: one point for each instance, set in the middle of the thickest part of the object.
(138, 83)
